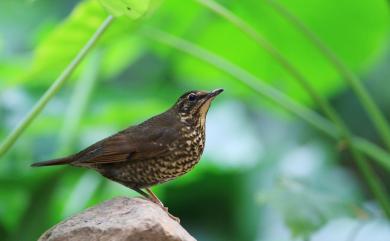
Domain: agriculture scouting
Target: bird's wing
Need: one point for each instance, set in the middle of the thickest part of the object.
(128, 145)
(109, 150)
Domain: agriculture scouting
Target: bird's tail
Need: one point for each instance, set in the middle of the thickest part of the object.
(54, 162)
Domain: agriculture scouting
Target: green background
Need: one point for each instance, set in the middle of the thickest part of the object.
(265, 174)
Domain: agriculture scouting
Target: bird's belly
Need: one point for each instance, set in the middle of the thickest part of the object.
(181, 158)
(150, 172)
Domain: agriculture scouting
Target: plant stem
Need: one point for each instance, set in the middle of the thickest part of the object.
(264, 89)
(377, 188)
(370, 149)
(54, 88)
(366, 100)
(278, 97)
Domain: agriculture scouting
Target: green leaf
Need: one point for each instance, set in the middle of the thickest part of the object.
(61, 45)
(133, 9)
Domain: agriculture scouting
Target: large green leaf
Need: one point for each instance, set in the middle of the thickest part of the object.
(355, 30)
(61, 45)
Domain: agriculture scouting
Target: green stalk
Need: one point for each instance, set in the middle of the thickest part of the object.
(246, 78)
(370, 149)
(278, 97)
(54, 88)
(377, 188)
(366, 100)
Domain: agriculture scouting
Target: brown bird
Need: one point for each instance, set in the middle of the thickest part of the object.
(160, 149)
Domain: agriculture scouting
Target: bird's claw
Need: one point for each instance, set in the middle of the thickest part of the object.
(174, 217)
(170, 215)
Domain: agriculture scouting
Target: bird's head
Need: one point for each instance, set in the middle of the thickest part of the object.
(195, 104)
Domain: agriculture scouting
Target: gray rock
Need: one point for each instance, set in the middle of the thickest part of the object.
(119, 219)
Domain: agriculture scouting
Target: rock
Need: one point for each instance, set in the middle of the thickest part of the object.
(119, 219)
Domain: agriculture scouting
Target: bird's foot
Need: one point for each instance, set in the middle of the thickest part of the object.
(174, 217)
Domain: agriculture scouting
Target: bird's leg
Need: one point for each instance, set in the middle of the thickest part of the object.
(155, 198)
(150, 196)
(157, 201)
(142, 193)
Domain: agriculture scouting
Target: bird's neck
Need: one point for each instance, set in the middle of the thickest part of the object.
(193, 121)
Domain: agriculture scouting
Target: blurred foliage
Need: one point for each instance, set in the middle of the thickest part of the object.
(264, 175)
(134, 9)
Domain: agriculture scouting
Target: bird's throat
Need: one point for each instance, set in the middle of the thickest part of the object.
(203, 112)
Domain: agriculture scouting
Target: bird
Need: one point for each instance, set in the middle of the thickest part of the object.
(155, 151)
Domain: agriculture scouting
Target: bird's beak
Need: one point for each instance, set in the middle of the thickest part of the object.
(214, 93)
(205, 104)
(207, 98)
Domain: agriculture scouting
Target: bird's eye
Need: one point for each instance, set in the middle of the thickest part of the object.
(191, 97)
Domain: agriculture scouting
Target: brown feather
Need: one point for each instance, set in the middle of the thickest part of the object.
(54, 162)
(134, 143)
